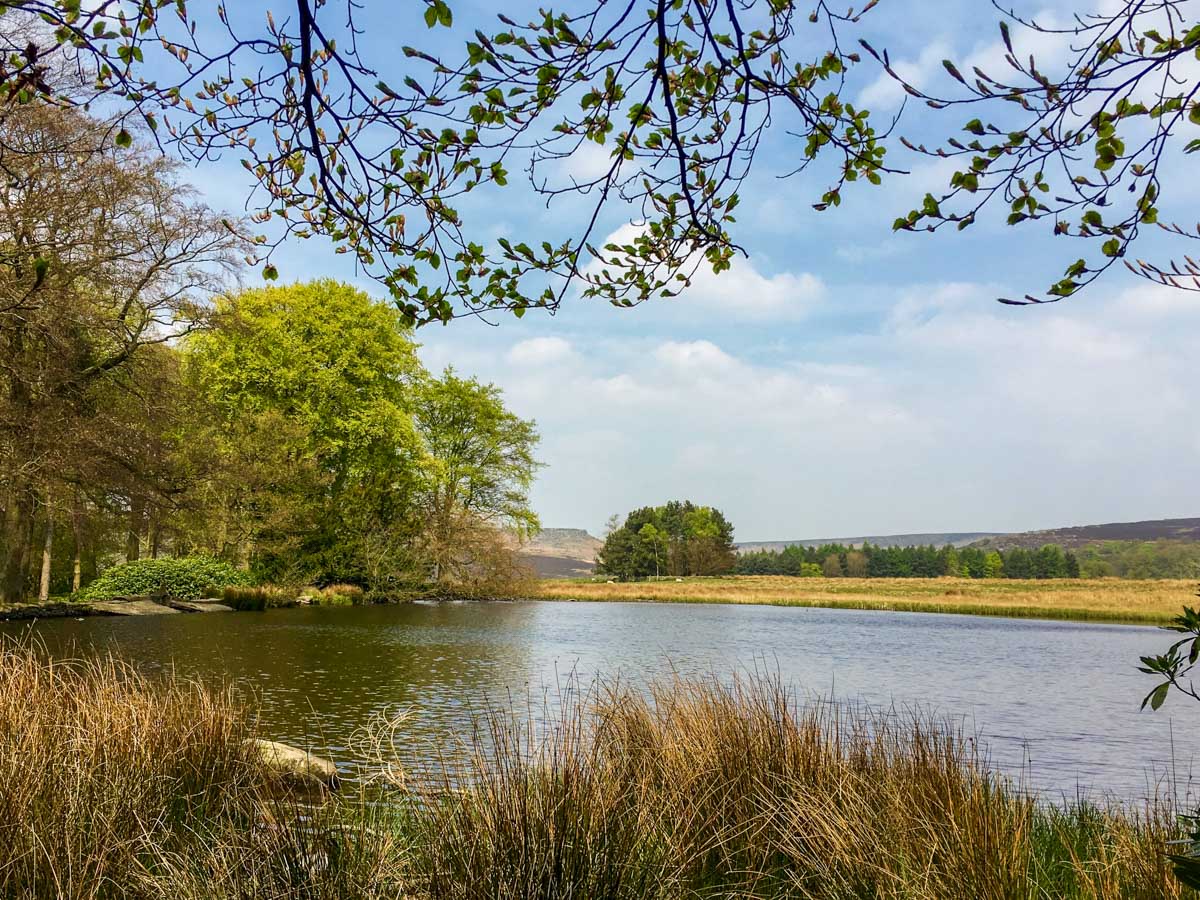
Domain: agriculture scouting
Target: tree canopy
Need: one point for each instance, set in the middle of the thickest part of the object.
(679, 93)
(678, 538)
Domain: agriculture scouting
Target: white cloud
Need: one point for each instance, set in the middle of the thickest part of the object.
(885, 92)
(741, 293)
(539, 351)
(947, 411)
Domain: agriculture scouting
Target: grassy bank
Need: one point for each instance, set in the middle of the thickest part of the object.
(112, 785)
(1108, 600)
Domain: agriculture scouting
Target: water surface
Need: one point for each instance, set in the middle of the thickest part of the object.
(1056, 702)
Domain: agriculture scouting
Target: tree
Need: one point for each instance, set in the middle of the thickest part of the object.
(479, 467)
(681, 91)
(856, 564)
(310, 389)
(832, 567)
(993, 565)
(1081, 141)
(105, 260)
(693, 540)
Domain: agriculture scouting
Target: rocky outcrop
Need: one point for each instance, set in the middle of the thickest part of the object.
(299, 767)
(134, 606)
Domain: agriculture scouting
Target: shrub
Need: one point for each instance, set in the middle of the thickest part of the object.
(267, 596)
(340, 595)
(181, 578)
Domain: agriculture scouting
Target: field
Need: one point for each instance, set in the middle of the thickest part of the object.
(1108, 600)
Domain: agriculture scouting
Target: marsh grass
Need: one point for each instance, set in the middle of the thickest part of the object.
(705, 790)
(113, 784)
(1103, 600)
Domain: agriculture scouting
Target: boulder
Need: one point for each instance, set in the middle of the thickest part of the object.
(138, 607)
(295, 765)
(206, 605)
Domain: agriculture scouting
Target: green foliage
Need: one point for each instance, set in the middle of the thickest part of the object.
(1078, 142)
(184, 578)
(1141, 559)
(342, 458)
(680, 94)
(868, 561)
(677, 539)
(312, 387)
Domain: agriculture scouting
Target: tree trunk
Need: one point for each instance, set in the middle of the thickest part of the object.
(133, 540)
(155, 533)
(47, 547)
(18, 522)
(77, 530)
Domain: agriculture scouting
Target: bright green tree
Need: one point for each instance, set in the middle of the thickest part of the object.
(310, 390)
(478, 470)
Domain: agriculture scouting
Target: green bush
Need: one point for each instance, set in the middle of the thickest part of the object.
(185, 578)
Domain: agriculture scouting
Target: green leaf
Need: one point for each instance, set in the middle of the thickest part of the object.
(1158, 695)
(124, 138)
(270, 273)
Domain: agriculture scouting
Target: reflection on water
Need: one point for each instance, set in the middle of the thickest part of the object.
(1058, 698)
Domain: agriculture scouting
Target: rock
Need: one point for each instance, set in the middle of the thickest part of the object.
(140, 607)
(202, 606)
(296, 765)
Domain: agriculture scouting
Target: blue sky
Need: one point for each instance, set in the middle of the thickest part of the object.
(843, 379)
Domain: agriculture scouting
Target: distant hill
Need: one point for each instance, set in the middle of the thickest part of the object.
(937, 538)
(1072, 537)
(1082, 535)
(562, 552)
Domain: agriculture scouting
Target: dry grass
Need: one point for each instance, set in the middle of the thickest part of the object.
(1149, 602)
(112, 785)
(709, 791)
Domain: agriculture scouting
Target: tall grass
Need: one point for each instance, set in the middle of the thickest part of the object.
(704, 790)
(115, 785)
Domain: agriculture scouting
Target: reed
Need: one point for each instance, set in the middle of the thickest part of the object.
(113, 784)
(704, 790)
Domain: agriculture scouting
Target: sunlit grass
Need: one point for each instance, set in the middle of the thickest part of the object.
(1146, 602)
(709, 791)
(115, 785)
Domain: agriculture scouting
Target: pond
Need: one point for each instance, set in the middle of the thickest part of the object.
(1055, 703)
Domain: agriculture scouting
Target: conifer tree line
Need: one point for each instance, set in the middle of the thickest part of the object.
(870, 561)
(150, 405)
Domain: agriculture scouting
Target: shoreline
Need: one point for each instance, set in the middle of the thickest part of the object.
(1107, 601)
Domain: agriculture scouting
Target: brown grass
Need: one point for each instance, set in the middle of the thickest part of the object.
(1148, 602)
(115, 785)
(703, 790)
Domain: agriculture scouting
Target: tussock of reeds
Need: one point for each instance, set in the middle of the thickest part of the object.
(115, 785)
(704, 790)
